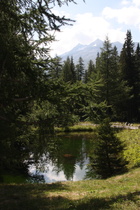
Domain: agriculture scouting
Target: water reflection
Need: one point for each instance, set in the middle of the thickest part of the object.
(51, 175)
(69, 162)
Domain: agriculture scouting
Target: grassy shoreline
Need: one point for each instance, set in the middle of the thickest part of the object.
(88, 126)
(119, 192)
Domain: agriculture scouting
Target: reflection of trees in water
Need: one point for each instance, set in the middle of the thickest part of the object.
(64, 152)
(71, 152)
(28, 148)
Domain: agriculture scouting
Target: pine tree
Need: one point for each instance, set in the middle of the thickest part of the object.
(80, 70)
(127, 59)
(127, 65)
(55, 70)
(73, 72)
(69, 73)
(26, 28)
(24, 63)
(137, 84)
(107, 68)
(107, 152)
(91, 71)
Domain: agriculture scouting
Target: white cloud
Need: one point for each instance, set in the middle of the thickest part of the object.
(85, 30)
(126, 15)
(125, 2)
(136, 2)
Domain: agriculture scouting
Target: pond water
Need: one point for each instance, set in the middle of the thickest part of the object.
(69, 162)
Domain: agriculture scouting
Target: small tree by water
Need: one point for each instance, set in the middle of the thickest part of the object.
(107, 152)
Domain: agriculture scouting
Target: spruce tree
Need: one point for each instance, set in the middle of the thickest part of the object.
(107, 152)
(137, 84)
(55, 69)
(69, 73)
(127, 59)
(26, 28)
(91, 71)
(80, 69)
(127, 66)
(107, 68)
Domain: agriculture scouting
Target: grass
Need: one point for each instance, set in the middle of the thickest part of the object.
(119, 192)
(131, 138)
(83, 126)
(88, 126)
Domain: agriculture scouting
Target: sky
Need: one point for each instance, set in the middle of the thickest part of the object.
(96, 20)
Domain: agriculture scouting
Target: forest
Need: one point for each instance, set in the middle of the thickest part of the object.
(111, 84)
(39, 93)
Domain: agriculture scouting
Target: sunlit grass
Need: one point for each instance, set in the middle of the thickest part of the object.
(119, 192)
(131, 138)
(82, 126)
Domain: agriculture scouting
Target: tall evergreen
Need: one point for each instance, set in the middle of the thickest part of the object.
(137, 84)
(73, 71)
(127, 59)
(80, 69)
(107, 152)
(55, 69)
(127, 65)
(25, 33)
(91, 71)
(107, 66)
(23, 62)
(69, 73)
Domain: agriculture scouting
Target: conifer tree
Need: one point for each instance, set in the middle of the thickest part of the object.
(73, 71)
(127, 59)
(137, 83)
(80, 69)
(127, 65)
(55, 70)
(91, 71)
(69, 73)
(107, 152)
(107, 68)
(26, 28)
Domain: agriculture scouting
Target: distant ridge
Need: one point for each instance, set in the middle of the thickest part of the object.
(88, 52)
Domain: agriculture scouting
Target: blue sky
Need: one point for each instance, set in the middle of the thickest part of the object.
(96, 20)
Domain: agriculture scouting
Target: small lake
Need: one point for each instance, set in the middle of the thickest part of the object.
(69, 161)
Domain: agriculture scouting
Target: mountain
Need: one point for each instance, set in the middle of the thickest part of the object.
(88, 52)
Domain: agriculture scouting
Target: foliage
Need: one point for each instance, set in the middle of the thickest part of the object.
(91, 72)
(69, 73)
(107, 152)
(25, 34)
(116, 78)
(39, 93)
(130, 74)
(80, 70)
(132, 151)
